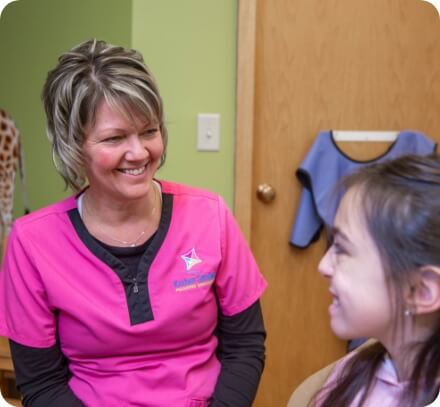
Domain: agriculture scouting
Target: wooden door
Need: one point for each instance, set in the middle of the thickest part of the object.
(305, 66)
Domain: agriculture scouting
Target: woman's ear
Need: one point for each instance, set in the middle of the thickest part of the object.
(423, 297)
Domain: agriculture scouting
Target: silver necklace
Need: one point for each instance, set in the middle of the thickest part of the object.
(130, 243)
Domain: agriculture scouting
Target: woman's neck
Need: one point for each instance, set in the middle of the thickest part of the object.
(117, 212)
(122, 223)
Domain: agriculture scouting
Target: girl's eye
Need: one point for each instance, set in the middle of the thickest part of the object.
(338, 249)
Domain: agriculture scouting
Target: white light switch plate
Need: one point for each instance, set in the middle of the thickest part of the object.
(208, 132)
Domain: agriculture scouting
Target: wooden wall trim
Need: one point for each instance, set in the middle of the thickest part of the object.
(245, 114)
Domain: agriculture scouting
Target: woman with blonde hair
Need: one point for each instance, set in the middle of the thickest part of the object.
(135, 291)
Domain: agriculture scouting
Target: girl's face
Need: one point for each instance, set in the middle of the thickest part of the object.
(122, 155)
(361, 301)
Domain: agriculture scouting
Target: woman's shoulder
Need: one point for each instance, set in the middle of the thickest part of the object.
(45, 213)
(182, 190)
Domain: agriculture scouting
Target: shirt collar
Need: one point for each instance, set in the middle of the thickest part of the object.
(387, 372)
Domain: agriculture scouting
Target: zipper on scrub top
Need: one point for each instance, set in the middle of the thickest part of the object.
(135, 286)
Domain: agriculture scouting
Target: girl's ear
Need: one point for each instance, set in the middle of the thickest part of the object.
(424, 294)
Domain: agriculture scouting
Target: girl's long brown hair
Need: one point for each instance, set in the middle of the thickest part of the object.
(401, 206)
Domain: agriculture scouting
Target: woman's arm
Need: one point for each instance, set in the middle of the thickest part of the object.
(42, 376)
(241, 354)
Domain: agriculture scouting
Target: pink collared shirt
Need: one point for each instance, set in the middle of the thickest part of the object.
(386, 391)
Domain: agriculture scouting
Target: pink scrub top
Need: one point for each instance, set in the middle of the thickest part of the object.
(153, 345)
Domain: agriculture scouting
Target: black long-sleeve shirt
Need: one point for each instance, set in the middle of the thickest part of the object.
(241, 353)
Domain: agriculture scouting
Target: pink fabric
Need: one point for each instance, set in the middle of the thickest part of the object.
(386, 391)
(169, 361)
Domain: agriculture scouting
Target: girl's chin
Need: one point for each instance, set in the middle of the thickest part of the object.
(340, 330)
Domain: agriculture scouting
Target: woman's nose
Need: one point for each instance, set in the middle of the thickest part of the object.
(136, 148)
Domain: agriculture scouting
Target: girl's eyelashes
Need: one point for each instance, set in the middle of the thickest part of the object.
(337, 244)
(338, 248)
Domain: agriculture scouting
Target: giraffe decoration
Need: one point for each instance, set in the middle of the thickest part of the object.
(10, 161)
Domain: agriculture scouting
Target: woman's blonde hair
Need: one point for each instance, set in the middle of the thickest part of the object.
(92, 72)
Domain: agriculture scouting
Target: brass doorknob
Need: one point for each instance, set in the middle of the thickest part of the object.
(266, 193)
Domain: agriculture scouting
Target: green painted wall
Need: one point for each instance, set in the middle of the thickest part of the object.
(32, 36)
(189, 45)
(191, 48)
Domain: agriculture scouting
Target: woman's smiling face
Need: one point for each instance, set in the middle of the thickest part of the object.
(361, 304)
(122, 155)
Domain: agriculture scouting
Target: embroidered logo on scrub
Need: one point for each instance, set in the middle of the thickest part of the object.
(197, 278)
(191, 259)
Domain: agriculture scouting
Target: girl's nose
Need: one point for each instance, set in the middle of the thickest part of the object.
(325, 266)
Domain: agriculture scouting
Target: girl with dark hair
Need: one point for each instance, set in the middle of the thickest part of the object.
(383, 268)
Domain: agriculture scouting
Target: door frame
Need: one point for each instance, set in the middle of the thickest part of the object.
(244, 131)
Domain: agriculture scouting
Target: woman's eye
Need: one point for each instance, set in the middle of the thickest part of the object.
(113, 139)
(150, 132)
